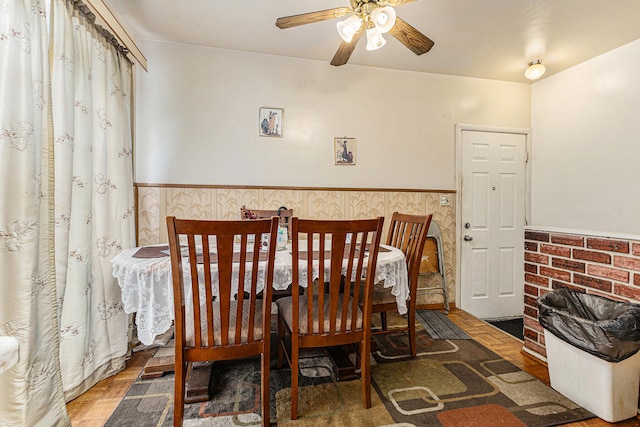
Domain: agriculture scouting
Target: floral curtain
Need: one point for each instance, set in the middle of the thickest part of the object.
(66, 206)
(90, 85)
(27, 283)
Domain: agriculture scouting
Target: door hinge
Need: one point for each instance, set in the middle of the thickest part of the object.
(526, 157)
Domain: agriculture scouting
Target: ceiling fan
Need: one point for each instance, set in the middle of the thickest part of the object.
(374, 17)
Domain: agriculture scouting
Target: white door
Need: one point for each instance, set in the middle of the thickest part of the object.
(492, 223)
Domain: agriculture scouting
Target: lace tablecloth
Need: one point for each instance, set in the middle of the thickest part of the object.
(146, 285)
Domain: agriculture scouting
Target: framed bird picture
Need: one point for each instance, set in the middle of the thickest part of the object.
(271, 122)
(345, 151)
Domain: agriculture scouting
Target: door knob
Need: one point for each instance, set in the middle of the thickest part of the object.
(468, 238)
(467, 225)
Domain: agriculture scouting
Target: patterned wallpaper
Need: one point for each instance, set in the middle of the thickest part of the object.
(156, 202)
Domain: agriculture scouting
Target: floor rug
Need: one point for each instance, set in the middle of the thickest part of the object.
(449, 383)
(439, 326)
(235, 391)
(451, 375)
(514, 327)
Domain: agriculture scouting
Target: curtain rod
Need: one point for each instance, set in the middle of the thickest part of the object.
(112, 23)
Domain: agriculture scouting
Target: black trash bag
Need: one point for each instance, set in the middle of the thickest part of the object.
(600, 326)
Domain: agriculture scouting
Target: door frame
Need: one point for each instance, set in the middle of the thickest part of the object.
(527, 196)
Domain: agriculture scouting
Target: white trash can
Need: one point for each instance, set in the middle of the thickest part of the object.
(607, 389)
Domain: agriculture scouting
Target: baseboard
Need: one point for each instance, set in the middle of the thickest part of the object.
(534, 356)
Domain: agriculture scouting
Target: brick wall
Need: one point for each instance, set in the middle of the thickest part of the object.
(604, 266)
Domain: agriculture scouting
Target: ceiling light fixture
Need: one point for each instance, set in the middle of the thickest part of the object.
(376, 16)
(535, 70)
(384, 18)
(374, 39)
(349, 27)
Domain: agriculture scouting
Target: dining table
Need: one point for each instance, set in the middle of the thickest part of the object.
(144, 276)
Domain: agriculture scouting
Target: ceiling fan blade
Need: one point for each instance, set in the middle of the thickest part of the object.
(311, 17)
(346, 49)
(417, 42)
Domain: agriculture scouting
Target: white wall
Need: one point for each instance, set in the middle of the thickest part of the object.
(586, 145)
(197, 120)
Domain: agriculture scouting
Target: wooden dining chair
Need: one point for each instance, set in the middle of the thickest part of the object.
(407, 233)
(342, 255)
(282, 213)
(213, 321)
(247, 213)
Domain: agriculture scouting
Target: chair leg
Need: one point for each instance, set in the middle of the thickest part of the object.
(441, 267)
(446, 298)
(383, 320)
(365, 371)
(412, 331)
(179, 391)
(294, 380)
(266, 402)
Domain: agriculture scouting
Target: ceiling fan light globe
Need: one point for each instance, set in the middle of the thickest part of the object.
(374, 39)
(384, 18)
(349, 27)
(534, 71)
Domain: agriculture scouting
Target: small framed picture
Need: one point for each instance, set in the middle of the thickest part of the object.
(345, 151)
(271, 122)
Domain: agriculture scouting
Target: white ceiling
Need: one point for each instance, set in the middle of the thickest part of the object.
(493, 39)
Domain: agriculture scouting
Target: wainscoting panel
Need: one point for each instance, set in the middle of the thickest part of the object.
(155, 202)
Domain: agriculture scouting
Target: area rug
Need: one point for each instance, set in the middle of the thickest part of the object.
(450, 383)
(439, 327)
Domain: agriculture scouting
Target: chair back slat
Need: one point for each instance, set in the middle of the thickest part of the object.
(357, 245)
(337, 255)
(208, 292)
(195, 288)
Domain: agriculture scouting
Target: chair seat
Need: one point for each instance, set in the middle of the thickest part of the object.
(285, 309)
(381, 295)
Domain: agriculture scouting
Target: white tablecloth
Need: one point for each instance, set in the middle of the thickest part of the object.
(147, 291)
